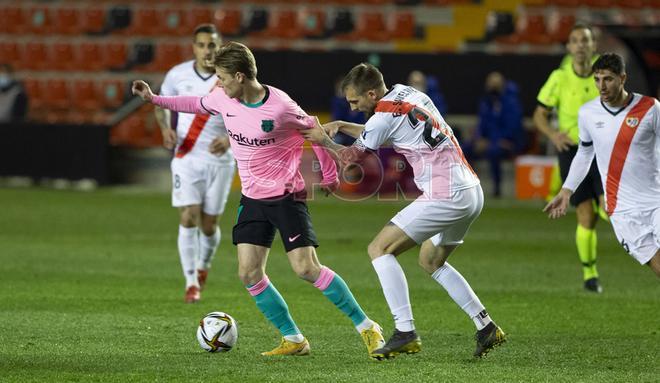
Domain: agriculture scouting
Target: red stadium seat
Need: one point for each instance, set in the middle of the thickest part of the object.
(173, 22)
(165, 57)
(312, 23)
(144, 22)
(404, 26)
(85, 95)
(35, 93)
(229, 21)
(39, 20)
(282, 24)
(11, 54)
(114, 55)
(66, 21)
(35, 56)
(197, 16)
(14, 20)
(560, 32)
(89, 56)
(57, 94)
(62, 56)
(371, 26)
(93, 20)
(112, 93)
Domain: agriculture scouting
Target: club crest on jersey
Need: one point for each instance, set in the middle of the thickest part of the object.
(267, 125)
(632, 122)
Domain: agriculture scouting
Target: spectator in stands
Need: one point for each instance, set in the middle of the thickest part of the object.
(13, 99)
(430, 86)
(499, 133)
(341, 111)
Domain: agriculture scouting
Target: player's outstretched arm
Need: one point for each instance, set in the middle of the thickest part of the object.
(352, 129)
(185, 104)
(558, 206)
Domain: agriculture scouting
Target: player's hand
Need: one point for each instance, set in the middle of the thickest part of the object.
(562, 141)
(219, 145)
(557, 207)
(141, 89)
(329, 187)
(169, 138)
(315, 134)
(332, 128)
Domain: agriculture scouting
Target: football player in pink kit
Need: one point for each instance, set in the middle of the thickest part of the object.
(264, 125)
(438, 220)
(622, 130)
(202, 167)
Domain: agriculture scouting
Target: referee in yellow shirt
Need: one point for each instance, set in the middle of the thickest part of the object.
(566, 90)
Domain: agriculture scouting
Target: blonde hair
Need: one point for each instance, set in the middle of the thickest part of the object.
(235, 57)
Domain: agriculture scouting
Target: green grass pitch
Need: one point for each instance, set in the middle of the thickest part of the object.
(91, 291)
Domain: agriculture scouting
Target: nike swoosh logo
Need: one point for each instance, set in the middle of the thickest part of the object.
(291, 239)
(231, 115)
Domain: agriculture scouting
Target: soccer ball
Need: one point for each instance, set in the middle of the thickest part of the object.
(217, 332)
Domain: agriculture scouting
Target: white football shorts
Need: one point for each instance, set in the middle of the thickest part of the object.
(638, 233)
(196, 182)
(444, 221)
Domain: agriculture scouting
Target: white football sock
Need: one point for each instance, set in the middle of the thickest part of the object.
(298, 338)
(395, 288)
(461, 292)
(364, 325)
(207, 248)
(187, 243)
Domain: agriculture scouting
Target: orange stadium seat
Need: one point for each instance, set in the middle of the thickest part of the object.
(312, 23)
(35, 93)
(39, 20)
(62, 56)
(66, 21)
(35, 56)
(85, 95)
(14, 20)
(404, 26)
(93, 20)
(10, 54)
(534, 31)
(89, 56)
(229, 21)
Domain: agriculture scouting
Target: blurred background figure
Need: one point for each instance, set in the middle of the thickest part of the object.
(13, 99)
(430, 86)
(341, 111)
(499, 131)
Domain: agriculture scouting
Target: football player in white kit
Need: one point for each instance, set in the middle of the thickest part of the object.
(622, 130)
(437, 220)
(203, 164)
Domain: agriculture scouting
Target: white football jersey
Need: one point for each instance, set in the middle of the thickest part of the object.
(627, 151)
(408, 119)
(195, 132)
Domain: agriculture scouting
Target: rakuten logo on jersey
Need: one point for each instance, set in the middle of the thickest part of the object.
(246, 141)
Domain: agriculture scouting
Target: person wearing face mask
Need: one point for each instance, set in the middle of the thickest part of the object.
(13, 99)
(500, 125)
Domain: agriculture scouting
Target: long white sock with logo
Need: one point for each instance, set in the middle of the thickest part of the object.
(395, 288)
(207, 248)
(187, 243)
(461, 292)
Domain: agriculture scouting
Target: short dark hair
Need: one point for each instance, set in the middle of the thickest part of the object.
(235, 57)
(610, 61)
(363, 77)
(205, 28)
(582, 25)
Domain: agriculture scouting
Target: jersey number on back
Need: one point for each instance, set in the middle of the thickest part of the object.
(416, 115)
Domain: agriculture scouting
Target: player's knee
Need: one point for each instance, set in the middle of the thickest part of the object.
(430, 264)
(208, 228)
(375, 249)
(308, 271)
(250, 276)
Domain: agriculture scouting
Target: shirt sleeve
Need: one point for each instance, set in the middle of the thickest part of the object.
(167, 88)
(583, 127)
(549, 94)
(583, 158)
(376, 132)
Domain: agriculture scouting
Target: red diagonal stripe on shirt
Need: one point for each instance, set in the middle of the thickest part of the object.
(196, 127)
(620, 150)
